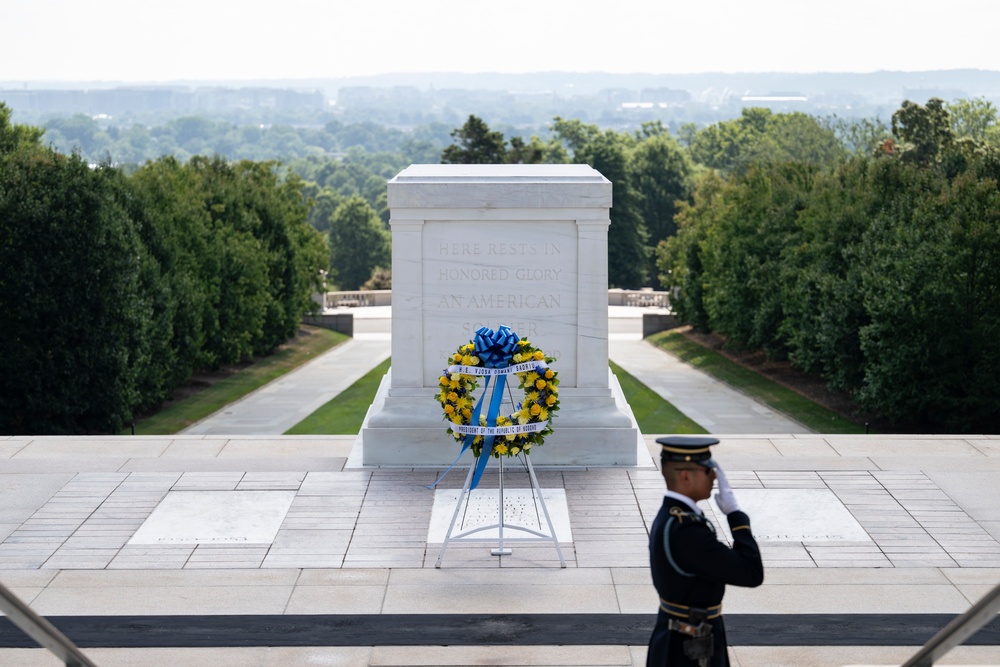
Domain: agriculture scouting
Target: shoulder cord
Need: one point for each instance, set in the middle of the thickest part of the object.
(666, 548)
(666, 539)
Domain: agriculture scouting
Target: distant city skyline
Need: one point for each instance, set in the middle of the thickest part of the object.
(157, 41)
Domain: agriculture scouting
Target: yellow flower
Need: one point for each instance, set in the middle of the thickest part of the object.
(523, 417)
(531, 377)
(540, 383)
(449, 409)
(510, 437)
(549, 374)
(515, 450)
(456, 357)
(466, 360)
(462, 402)
(456, 419)
(467, 413)
(452, 396)
(543, 415)
(523, 342)
(550, 399)
(538, 355)
(516, 358)
(475, 361)
(455, 383)
(531, 397)
(500, 449)
(535, 409)
(443, 380)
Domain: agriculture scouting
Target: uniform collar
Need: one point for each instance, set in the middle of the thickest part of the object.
(684, 499)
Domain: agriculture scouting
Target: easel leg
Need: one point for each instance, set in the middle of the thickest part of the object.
(500, 550)
(454, 517)
(545, 510)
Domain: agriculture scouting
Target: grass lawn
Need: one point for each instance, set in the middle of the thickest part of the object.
(767, 391)
(344, 413)
(653, 414)
(310, 343)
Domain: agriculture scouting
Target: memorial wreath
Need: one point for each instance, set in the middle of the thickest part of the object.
(496, 355)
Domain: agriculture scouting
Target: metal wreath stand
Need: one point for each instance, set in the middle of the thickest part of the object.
(501, 525)
(472, 478)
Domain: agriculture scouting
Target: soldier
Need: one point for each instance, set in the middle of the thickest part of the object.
(690, 566)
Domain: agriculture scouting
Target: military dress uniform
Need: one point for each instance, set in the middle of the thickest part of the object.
(691, 568)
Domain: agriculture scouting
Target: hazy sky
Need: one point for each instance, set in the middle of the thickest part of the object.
(160, 40)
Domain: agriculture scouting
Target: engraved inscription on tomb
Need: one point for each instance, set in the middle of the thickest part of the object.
(521, 274)
(511, 285)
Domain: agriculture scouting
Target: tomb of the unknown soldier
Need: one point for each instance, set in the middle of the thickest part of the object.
(489, 245)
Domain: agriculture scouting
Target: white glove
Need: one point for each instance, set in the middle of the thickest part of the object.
(725, 498)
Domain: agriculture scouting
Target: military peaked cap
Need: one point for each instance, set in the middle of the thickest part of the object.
(685, 448)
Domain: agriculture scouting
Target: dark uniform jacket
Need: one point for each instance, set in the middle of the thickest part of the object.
(702, 566)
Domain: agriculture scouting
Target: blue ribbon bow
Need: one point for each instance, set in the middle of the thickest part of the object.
(495, 349)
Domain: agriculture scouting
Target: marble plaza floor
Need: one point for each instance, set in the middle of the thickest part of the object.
(116, 536)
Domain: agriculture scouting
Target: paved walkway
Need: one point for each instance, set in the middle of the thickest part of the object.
(715, 406)
(280, 405)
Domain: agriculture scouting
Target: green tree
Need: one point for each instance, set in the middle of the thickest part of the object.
(974, 119)
(262, 216)
(930, 272)
(820, 275)
(323, 204)
(13, 136)
(194, 132)
(860, 136)
(381, 279)
(679, 257)
(923, 131)
(475, 143)
(532, 152)
(662, 174)
(71, 314)
(81, 133)
(167, 205)
(610, 153)
(742, 254)
(359, 243)
(759, 135)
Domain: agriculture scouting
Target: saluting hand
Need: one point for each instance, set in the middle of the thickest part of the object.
(725, 498)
